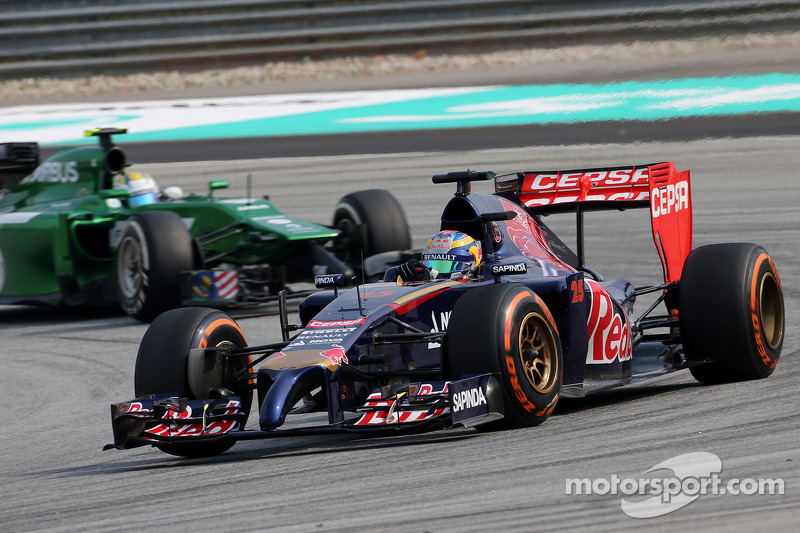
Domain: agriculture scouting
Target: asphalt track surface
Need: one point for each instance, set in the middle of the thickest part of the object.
(62, 369)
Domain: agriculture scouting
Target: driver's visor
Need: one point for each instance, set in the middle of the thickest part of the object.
(142, 199)
(447, 267)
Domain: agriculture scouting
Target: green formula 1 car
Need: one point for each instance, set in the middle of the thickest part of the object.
(67, 237)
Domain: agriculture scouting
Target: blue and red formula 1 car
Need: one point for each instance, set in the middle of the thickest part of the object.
(494, 347)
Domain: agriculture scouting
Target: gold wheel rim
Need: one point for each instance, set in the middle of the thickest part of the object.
(770, 311)
(537, 352)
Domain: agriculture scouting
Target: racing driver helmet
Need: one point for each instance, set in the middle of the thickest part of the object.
(451, 251)
(142, 187)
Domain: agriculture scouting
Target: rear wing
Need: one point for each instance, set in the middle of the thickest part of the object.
(659, 186)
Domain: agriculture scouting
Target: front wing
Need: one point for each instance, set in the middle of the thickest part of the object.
(166, 419)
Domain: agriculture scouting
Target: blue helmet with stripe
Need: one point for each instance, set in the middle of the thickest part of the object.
(451, 251)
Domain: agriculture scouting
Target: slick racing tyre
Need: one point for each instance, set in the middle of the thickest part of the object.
(154, 247)
(731, 311)
(505, 328)
(371, 222)
(163, 365)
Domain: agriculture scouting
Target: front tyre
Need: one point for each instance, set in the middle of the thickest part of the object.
(153, 249)
(507, 329)
(162, 365)
(370, 222)
(731, 311)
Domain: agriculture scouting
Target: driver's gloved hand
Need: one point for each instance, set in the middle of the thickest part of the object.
(414, 271)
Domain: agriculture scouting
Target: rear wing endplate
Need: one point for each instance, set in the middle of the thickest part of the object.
(659, 186)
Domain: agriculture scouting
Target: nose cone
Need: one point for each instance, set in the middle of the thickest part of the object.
(328, 356)
(288, 388)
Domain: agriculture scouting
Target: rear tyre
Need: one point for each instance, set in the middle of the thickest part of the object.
(162, 364)
(370, 222)
(731, 311)
(507, 329)
(153, 249)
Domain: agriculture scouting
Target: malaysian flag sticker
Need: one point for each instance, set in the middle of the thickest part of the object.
(215, 285)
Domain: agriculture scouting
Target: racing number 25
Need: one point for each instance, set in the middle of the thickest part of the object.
(577, 290)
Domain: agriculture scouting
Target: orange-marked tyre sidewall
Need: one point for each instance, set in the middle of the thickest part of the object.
(506, 329)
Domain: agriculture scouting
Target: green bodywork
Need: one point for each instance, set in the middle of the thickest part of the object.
(59, 227)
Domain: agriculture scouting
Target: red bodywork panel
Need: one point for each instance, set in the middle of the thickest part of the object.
(671, 217)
